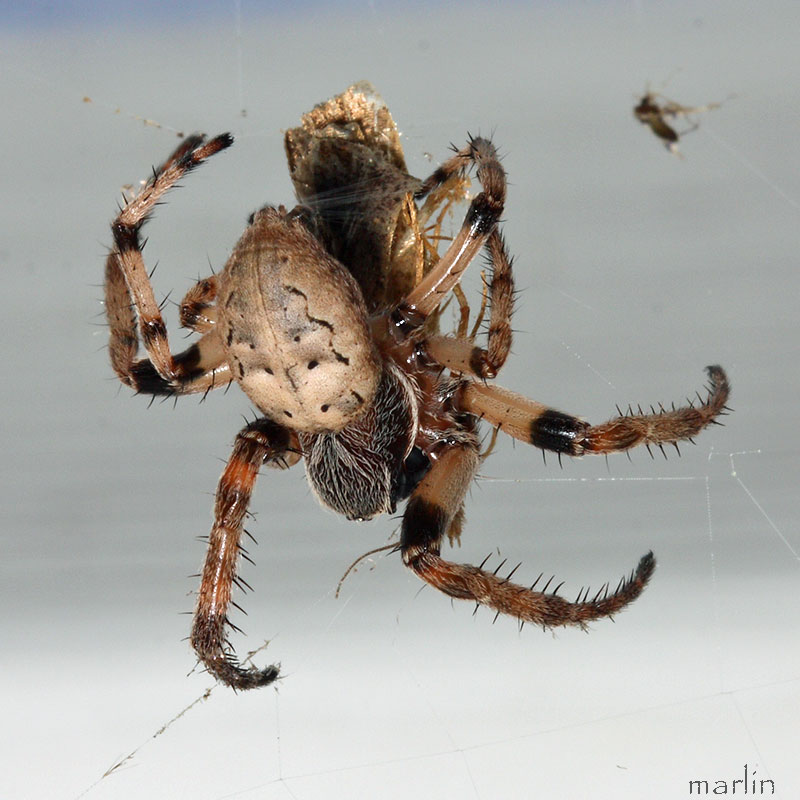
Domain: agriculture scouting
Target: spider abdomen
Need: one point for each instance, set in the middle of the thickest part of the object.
(362, 470)
(294, 325)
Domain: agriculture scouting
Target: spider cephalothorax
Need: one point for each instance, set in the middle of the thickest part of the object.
(327, 317)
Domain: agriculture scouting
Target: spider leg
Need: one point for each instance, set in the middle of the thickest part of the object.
(129, 295)
(431, 509)
(479, 230)
(664, 426)
(549, 429)
(199, 368)
(262, 441)
(196, 369)
(197, 307)
(482, 216)
(464, 310)
(440, 191)
(501, 303)
(459, 354)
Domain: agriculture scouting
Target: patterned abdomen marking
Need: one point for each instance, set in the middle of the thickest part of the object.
(295, 328)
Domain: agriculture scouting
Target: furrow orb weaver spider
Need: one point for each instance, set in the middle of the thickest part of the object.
(327, 315)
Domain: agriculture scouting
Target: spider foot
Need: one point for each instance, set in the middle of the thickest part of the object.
(225, 667)
(217, 656)
(228, 671)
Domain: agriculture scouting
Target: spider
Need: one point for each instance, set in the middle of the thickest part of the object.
(326, 316)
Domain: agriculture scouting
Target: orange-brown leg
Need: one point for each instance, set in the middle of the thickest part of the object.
(479, 230)
(458, 355)
(262, 441)
(553, 430)
(431, 509)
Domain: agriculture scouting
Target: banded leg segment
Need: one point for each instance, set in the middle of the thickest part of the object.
(262, 441)
(128, 293)
(553, 430)
(481, 218)
(458, 355)
(479, 230)
(196, 369)
(429, 514)
(199, 368)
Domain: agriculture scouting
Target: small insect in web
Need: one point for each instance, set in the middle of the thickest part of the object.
(328, 316)
(653, 110)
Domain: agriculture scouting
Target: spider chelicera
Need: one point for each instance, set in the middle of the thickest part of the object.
(327, 317)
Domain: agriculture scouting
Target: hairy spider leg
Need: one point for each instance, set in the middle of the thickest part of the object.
(260, 442)
(479, 230)
(431, 509)
(482, 216)
(548, 429)
(460, 354)
(197, 309)
(129, 294)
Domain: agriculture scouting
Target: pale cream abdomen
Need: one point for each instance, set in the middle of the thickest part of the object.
(294, 324)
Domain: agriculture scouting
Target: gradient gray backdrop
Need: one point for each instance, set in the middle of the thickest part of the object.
(636, 268)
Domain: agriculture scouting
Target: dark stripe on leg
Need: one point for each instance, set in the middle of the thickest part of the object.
(483, 214)
(558, 432)
(424, 524)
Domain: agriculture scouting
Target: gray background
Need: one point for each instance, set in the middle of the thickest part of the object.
(637, 270)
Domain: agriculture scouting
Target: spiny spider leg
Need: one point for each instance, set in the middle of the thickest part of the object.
(501, 300)
(196, 369)
(429, 513)
(197, 310)
(482, 216)
(460, 354)
(129, 294)
(262, 441)
(548, 429)
(201, 366)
